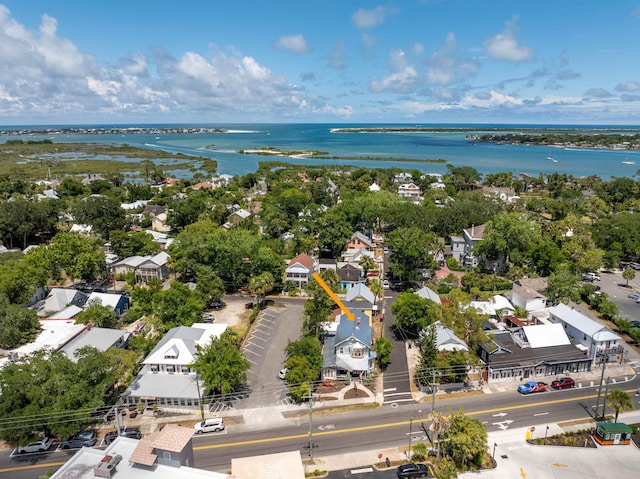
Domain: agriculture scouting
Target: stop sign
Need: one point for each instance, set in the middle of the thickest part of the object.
(533, 428)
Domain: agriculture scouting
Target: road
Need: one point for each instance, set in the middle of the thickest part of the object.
(614, 285)
(342, 433)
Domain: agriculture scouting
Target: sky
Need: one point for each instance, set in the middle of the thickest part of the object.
(319, 61)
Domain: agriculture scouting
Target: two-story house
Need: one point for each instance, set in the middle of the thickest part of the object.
(350, 352)
(599, 342)
(300, 270)
(166, 378)
(145, 268)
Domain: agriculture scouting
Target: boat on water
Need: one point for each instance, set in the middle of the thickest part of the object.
(630, 162)
(552, 159)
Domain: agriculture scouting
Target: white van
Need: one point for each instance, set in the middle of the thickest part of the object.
(209, 425)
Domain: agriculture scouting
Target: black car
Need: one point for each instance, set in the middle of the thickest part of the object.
(215, 305)
(412, 470)
(80, 439)
(132, 432)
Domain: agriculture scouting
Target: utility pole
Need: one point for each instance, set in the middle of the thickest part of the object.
(605, 359)
(433, 391)
(310, 399)
(409, 450)
(604, 398)
(199, 396)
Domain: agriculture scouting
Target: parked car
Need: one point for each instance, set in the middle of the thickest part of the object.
(132, 432)
(590, 277)
(80, 439)
(283, 373)
(385, 284)
(209, 425)
(208, 318)
(635, 323)
(414, 470)
(563, 383)
(215, 305)
(532, 387)
(38, 446)
(634, 296)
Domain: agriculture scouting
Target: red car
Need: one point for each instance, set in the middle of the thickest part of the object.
(563, 383)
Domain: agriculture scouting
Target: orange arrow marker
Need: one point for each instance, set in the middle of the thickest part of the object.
(332, 295)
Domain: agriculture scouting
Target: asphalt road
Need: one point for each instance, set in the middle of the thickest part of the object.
(342, 433)
(617, 290)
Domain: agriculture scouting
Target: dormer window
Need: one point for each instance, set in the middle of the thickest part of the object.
(171, 353)
(357, 352)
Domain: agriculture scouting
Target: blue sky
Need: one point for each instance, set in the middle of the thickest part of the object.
(333, 61)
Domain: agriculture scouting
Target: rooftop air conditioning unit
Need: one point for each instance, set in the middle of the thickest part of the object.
(107, 466)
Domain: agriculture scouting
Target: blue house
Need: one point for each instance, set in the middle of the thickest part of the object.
(350, 352)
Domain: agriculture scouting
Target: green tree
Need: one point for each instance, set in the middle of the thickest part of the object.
(40, 389)
(562, 285)
(383, 348)
(209, 284)
(101, 212)
(413, 314)
(367, 264)
(132, 243)
(260, 285)
(628, 274)
(508, 236)
(466, 439)
(412, 249)
(79, 256)
(178, 305)
(428, 355)
(221, 365)
(619, 400)
(18, 325)
(98, 315)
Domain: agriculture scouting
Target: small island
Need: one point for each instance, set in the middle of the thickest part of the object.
(599, 141)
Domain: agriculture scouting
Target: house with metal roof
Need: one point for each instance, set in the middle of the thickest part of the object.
(427, 293)
(600, 343)
(166, 378)
(350, 352)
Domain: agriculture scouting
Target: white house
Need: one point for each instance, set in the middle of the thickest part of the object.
(446, 339)
(527, 299)
(300, 269)
(598, 341)
(166, 378)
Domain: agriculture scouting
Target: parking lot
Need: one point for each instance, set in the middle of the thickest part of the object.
(264, 349)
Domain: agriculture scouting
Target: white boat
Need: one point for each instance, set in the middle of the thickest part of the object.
(551, 158)
(631, 162)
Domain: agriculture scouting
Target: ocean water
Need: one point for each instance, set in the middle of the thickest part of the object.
(449, 146)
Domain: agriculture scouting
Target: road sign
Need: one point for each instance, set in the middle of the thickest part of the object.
(533, 428)
(379, 456)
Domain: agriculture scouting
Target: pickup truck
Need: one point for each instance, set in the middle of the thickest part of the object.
(590, 277)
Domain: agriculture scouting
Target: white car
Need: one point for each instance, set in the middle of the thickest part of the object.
(283, 373)
(39, 446)
(209, 425)
(385, 284)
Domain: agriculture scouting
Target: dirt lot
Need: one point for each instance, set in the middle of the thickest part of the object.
(234, 313)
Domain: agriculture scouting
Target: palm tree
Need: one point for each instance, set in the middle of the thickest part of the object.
(260, 285)
(376, 288)
(620, 401)
(367, 264)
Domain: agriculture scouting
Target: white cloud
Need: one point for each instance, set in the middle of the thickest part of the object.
(403, 79)
(597, 93)
(294, 43)
(449, 64)
(628, 86)
(504, 46)
(44, 77)
(367, 18)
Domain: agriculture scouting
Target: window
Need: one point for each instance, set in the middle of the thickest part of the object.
(170, 368)
(154, 368)
(185, 369)
(357, 352)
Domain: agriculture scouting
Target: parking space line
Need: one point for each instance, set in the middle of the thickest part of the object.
(253, 352)
(254, 344)
(258, 337)
(252, 362)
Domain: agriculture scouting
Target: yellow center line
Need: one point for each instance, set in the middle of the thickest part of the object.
(386, 425)
(33, 466)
